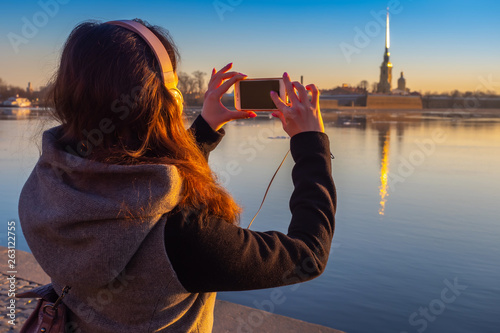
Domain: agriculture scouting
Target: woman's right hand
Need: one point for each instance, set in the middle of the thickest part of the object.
(301, 114)
(214, 112)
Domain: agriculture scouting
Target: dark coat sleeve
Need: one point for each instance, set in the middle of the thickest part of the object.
(218, 256)
(206, 138)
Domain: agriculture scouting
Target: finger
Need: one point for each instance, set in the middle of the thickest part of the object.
(303, 96)
(278, 101)
(215, 82)
(278, 114)
(241, 115)
(216, 73)
(289, 89)
(212, 77)
(226, 85)
(229, 75)
(315, 94)
(226, 68)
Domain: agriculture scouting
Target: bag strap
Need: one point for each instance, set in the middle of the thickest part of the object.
(60, 298)
(46, 293)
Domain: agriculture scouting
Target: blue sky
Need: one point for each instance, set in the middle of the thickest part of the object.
(440, 45)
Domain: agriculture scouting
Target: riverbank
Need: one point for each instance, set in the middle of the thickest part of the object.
(350, 115)
(229, 317)
(458, 111)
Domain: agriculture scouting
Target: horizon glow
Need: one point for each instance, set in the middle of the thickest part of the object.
(440, 46)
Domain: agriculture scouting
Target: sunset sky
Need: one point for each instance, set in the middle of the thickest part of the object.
(440, 45)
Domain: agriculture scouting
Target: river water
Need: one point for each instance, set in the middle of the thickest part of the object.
(417, 239)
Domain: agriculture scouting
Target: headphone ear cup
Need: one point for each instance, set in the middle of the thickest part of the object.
(179, 99)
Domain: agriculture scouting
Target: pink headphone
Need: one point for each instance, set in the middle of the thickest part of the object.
(170, 78)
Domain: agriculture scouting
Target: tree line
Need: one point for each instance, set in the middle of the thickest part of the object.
(364, 87)
(7, 91)
(192, 86)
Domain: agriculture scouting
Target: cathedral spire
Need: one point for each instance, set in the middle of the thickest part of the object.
(387, 32)
(384, 85)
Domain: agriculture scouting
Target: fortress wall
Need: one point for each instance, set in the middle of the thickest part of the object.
(325, 104)
(462, 102)
(393, 102)
(489, 103)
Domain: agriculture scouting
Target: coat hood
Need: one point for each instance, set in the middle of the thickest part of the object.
(84, 220)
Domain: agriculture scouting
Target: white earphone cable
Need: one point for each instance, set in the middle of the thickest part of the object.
(268, 186)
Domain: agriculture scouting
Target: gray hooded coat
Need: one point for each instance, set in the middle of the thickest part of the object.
(100, 229)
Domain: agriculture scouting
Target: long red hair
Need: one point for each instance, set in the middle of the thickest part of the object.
(109, 74)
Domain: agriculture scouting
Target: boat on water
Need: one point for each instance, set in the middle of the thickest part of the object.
(15, 111)
(17, 102)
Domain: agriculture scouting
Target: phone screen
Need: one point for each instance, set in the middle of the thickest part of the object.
(255, 95)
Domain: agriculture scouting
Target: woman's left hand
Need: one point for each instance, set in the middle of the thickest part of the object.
(214, 112)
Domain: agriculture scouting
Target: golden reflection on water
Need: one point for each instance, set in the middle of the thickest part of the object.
(384, 174)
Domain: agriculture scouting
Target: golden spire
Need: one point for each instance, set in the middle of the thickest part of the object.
(387, 32)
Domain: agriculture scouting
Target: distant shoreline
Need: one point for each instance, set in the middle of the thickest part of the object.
(444, 112)
(333, 115)
(424, 110)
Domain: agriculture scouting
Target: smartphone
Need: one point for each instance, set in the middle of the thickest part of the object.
(255, 94)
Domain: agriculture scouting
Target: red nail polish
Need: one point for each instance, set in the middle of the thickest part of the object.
(253, 115)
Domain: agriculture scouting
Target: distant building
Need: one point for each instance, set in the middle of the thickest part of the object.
(384, 85)
(345, 89)
(402, 83)
(29, 89)
(345, 95)
(386, 98)
(402, 90)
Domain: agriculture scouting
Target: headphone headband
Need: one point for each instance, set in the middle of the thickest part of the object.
(167, 70)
